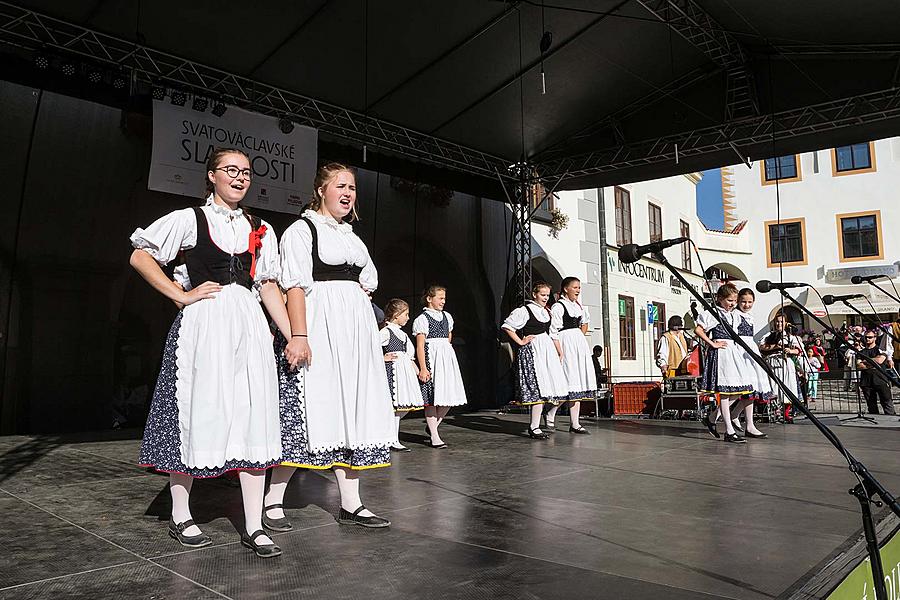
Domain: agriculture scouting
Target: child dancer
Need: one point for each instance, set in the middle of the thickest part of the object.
(335, 409)
(215, 407)
(441, 381)
(755, 374)
(539, 373)
(724, 368)
(571, 320)
(813, 365)
(399, 362)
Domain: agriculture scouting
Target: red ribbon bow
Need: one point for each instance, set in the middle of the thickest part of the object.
(254, 245)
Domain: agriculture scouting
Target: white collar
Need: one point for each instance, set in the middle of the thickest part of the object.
(328, 220)
(393, 326)
(223, 210)
(433, 312)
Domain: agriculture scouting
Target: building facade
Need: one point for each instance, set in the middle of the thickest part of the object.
(821, 218)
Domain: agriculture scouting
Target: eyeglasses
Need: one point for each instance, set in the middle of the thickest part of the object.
(870, 337)
(233, 172)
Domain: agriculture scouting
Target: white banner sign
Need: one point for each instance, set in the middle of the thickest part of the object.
(284, 164)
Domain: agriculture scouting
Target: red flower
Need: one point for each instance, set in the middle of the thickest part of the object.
(254, 245)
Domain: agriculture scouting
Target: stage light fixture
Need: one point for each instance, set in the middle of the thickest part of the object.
(119, 81)
(285, 125)
(200, 104)
(158, 92)
(178, 98)
(94, 75)
(41, 62)
(67, 68)
(219, 109)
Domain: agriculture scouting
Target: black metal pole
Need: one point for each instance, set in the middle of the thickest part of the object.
(869, 484)
(886, 293)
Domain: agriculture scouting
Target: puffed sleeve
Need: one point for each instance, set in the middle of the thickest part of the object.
(181, 277)
(420, 325)
(707, 320)
(167, 236)
(554, 331)
(368, 278)
(516, 319)
(586, 316)
(268, 264)
(385, 336)
(449, 320)
(296, 257)
(556, 316)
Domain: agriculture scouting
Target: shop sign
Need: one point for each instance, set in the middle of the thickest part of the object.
(844, 274)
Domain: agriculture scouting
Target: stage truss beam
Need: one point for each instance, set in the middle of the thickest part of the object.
(32, 31)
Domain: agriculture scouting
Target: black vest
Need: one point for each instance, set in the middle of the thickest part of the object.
(322, 271)
(208, 262)
(569, 322)
(533, 326)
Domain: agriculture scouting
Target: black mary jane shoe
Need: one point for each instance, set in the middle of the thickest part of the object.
(282, 524)
(734, 438)
(261, 550)
(345, 517)
(737, 427)
(549, 426)
(436, 446)
(581, 430)
(711, 427)
(399, 448)
(533, 434)
(755, 436)
(176, 531)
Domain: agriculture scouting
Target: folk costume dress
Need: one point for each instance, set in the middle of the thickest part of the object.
(445, 388)
(785, 366)
(402, 375)
(336, 412)
(578, 366)
(724, 369)
(539, 372)
(758, 378)
(215, 406)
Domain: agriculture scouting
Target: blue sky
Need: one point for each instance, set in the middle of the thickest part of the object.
(709, 199)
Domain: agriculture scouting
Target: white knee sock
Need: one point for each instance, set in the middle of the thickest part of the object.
(574, 413)
(281, 476)
(536, 410)
(551, 414)
(253, 484)
(180, 488)
(348, 485)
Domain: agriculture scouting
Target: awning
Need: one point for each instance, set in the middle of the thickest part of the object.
(882, 303)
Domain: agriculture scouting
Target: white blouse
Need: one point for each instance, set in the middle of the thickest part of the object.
(575, 309)
(518, 317)
(229, 230)
(386, 337)
(420, 325)
(708, 321)
(337, 245)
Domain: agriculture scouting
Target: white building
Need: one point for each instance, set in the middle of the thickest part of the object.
(618, 295)
(836, 214)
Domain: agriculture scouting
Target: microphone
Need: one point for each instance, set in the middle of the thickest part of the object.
(630, 253)
(764, 285)
(856, 279)
(828, 299)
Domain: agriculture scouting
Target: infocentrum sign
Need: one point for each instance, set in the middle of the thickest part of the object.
(858, 583)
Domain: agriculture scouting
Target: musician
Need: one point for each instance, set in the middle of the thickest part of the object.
(673, 349)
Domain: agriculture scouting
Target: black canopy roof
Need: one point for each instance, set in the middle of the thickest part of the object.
(625, 80)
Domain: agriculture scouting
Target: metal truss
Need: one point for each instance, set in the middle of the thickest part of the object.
(690, 21)
(32, 31)
(856, 110)
(522, 204)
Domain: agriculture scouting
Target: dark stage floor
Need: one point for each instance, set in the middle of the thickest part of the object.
(636, 510)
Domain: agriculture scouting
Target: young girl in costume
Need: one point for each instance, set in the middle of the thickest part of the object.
(335, 405)
(724, 372)
(439, 375)
(539, 372)
(759, 379)
(215, 407)
(571, 320)
(399, 362)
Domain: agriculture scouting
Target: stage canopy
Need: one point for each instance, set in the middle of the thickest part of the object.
(618, 91)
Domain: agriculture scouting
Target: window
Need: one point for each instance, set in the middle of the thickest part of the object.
(852, 159)
(655, 222)
(786, 242)
(627, 349)
(783, 169)
(859, 235)
(623, 217)
(541, 205)
(685, 247)
(659, 325)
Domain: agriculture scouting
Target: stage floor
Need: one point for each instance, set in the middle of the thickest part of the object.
(638, 509)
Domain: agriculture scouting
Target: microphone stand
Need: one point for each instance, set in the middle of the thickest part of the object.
(885, 292)
(868, 486)
(868, 318)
